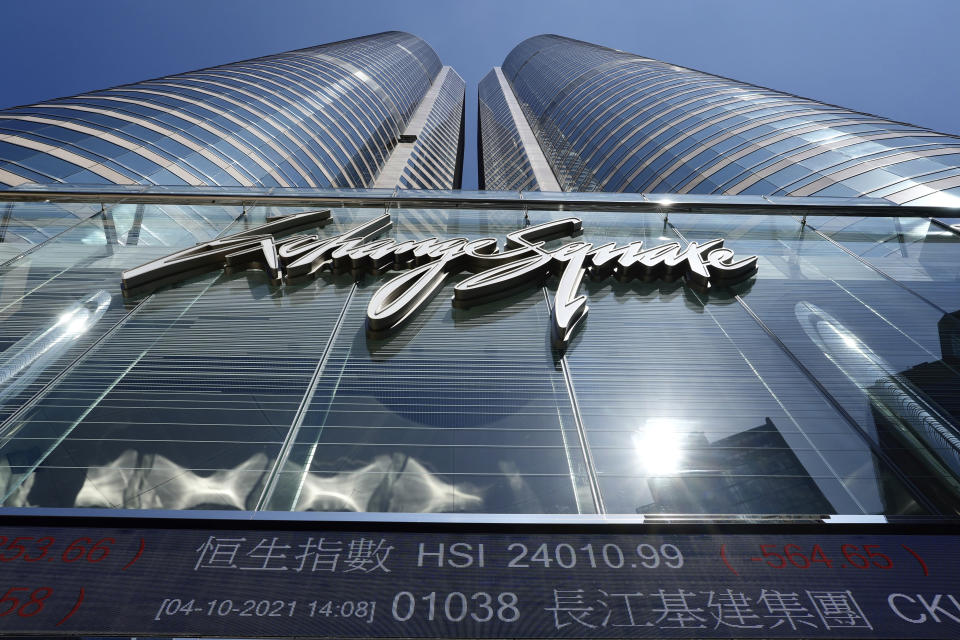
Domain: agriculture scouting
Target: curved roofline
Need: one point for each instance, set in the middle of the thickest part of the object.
(568, 38)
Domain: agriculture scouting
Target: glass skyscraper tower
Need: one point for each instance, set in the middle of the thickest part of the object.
(606, 120)
(379, 110)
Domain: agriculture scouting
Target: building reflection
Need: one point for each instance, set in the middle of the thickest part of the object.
(751, 472)
(933, 392)
(916, 411)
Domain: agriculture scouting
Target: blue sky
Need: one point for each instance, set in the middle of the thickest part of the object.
(897, 59)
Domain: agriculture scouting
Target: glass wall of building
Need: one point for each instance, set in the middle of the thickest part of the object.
(614, 121)
(324, 116)
(822, 384)
(503, 161)
(429, 154)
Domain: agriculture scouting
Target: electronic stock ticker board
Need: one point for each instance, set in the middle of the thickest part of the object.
(347, 581)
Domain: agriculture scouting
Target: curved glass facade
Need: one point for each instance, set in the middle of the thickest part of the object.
(614, 121)
(324, 116)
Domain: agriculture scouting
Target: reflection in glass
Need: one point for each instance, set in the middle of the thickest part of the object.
(136, 481)
(754, 471)
(230, 392)
(391, 483)
(890, 394)
(33, 353)
(659, 447)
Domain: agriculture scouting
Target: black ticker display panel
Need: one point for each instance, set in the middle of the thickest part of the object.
(374, 581)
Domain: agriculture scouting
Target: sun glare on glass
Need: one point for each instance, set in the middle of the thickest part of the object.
(659, 447)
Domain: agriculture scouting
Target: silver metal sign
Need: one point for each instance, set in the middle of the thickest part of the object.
(523, 262)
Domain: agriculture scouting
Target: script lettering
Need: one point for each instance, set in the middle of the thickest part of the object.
(522, 263)
(569, 309)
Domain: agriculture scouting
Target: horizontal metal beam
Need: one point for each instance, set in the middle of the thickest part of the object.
(530, 201)
(16, 516)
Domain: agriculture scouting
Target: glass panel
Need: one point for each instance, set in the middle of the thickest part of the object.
(186, 402)
(824, 384)
(858, 335)
(458, 411)
(689, 406)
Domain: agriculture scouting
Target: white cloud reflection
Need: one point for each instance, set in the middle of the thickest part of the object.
(390, 483)
(394, 483)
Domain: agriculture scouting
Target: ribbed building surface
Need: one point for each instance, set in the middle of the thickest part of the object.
(429, 154)
(506, 144)
(503, 161)
(325, 116)
(614, 121)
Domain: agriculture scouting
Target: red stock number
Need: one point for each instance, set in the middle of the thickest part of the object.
(31, 549)
(851, 555)
(24, 601)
